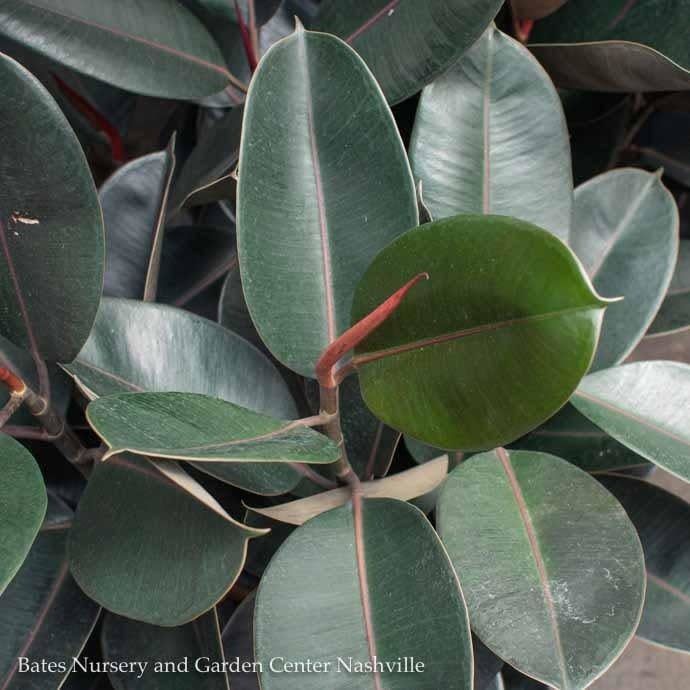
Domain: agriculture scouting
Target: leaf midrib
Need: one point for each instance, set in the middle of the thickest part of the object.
(367, 358)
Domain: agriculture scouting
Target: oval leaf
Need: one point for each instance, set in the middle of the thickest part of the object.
(507, 309)
(675, 309)
(625, 226)
(131, 339)
(407, 44)
(403, 486)
(23, 504)
(51, 230)
(191, 427)
(617, 45)
(324, 186)
(123, 639)
(490, 137)
(373, 565)
(562, 593)
(43, 613)
(663, 522)
(645, 406)
(157, 48)
(150, 544)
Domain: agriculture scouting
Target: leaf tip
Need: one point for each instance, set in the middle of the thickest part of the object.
(299, 27)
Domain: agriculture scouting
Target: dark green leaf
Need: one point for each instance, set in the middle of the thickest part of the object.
(150, 544)
(675, 309)
(23, 504)
(490, 346)
(157, 48)
(407, 44)
(663, 523)
(490, 137)
(233, 312)
(324, 186)
(645, 406)
(51, 230)
(188, 426)
(127, 640)
(625, 226)
(134, 200)
(616, 45)
(129, 342)
(561, 594)
(382, 568)
(43, 613)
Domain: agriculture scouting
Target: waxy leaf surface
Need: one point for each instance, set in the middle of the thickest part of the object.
(157, 48)
(381, 572)
(625, 232)
(562, 593)
(186, 426)
(493, 344)
(645, 406)
(490, 137)
(324, 186)
(137, 347)
(51, 229)
(43, 613)
(618, 45)
(406, 43)
(150, 544)
(663, 522)
(23, 504)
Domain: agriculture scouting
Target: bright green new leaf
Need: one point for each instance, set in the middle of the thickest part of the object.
(187, 426)
(131, 340)
(406, 43)
(43, 613)
(383, 576)
(23, 504)
(645, 406)
(157, 47)
(663, 523)
(617, 45)
(153, 529)
(625, 232)
(51, 229)
(490, 137)
(324, 186)
(490, 346)
(551, 566)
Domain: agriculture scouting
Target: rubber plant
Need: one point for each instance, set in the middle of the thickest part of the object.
(242, 259)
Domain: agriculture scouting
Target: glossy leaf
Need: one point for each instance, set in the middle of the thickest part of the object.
(562, 593)
(318, 198)
(129, 552)
(403, 486)
(23, 504)
(383, 553)
(615, 46)
(434, 35)
(157, 48)
(574, 438)
(468, 364)
(186, 426)
(124, 639)
(134, 200)
(131, 340)
(535, 9)
(43, 613)
(490, 137)
(233, 312)
(50, 221)
(663, 522)
(645, 406)
(675, 309)
(625, 225)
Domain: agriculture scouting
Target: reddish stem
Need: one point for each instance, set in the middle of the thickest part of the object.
(13, 382)
(97, 119)
(361, 330)
(523, 29)
(252, 58)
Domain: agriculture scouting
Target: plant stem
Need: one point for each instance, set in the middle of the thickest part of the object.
(329, 397)
(11, 406)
